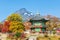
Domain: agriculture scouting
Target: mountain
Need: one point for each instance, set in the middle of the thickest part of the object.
(26, 15)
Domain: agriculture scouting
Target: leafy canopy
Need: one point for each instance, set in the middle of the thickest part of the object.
(15, 17)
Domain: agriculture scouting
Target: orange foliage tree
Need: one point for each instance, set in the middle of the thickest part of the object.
(5, 27)
(27, 25)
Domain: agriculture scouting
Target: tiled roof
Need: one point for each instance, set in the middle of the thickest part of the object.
(38, 17)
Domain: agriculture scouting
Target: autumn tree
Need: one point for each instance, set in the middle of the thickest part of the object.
(15, 17)
(52, 23)
(27, 25)
(5, 27)
(16, 24)
(1, 26)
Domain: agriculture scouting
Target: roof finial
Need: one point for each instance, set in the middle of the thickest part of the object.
(38, 13)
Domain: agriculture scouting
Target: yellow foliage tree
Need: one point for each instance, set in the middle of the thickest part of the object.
(51, 25)
(16, 24)
(14, 17)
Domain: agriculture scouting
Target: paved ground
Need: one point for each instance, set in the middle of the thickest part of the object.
(34, 37)
(49, 38)
(41, 37)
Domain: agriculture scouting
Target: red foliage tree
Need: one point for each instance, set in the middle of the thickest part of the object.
(1, 25)
(5, 27)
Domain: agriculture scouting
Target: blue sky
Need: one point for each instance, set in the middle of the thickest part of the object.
(43, 6)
